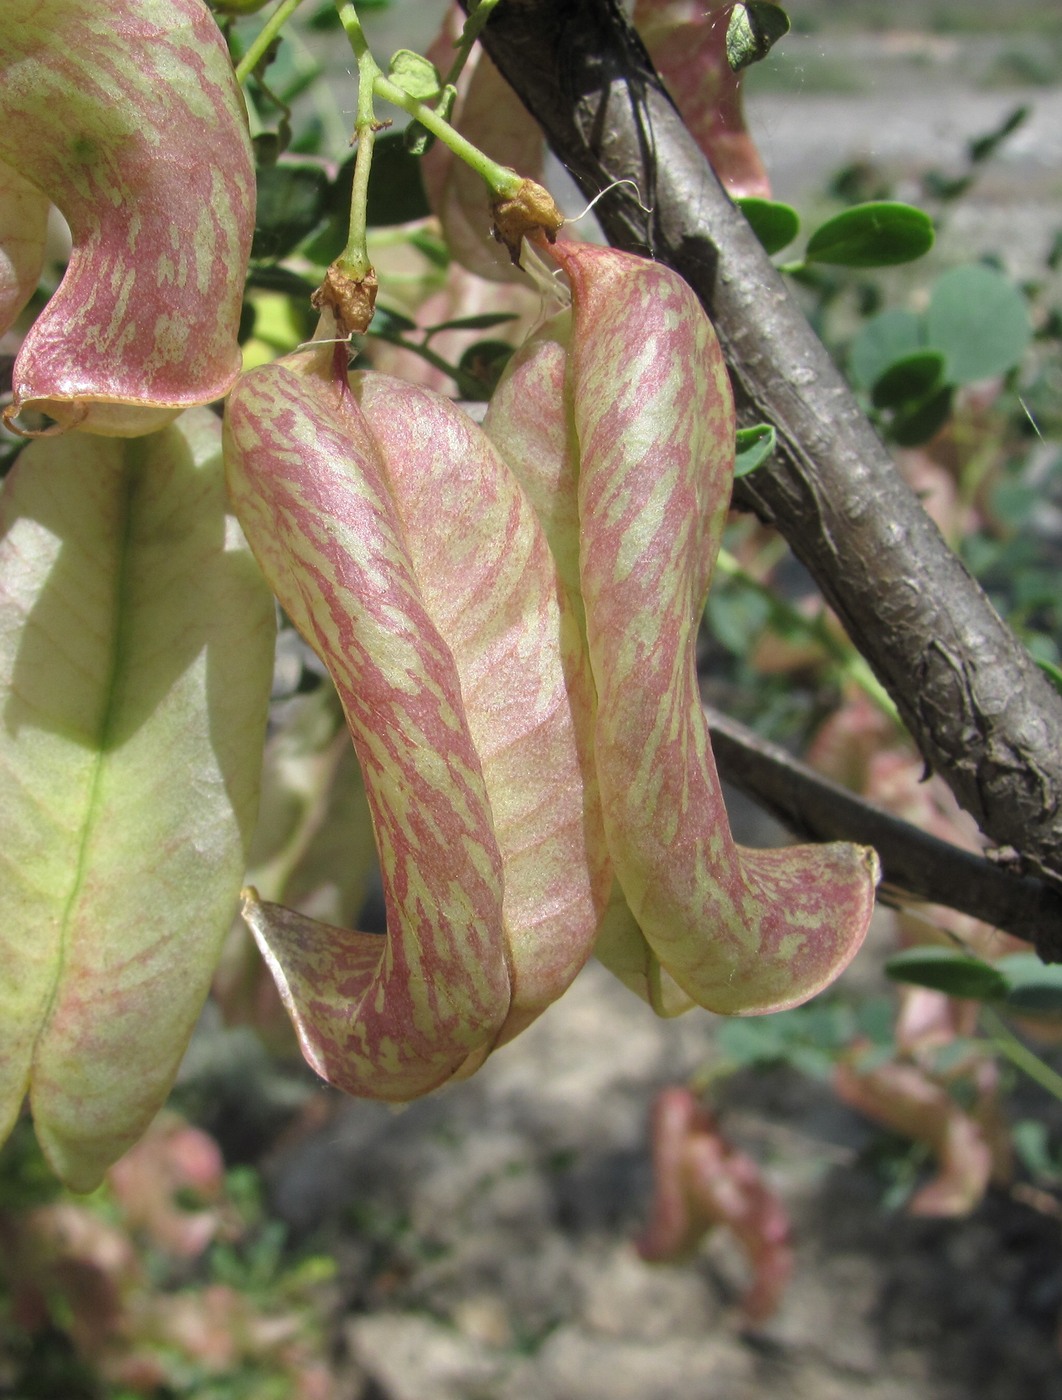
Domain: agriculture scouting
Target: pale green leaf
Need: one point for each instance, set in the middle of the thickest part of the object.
(415, 74)
(135, 662)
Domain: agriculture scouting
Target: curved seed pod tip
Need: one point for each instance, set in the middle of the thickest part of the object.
(130, 120)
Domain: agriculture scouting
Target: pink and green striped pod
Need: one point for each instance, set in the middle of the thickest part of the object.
(403, 549)
(129, 119)
(23, 229)
(627, 401)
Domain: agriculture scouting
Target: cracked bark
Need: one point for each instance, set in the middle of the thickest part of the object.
(981, 711)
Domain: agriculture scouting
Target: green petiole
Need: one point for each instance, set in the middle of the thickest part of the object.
(272, 27)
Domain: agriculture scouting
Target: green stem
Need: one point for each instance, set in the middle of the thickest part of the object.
(1008, 1044)
(272, 27)
(354, 259)
(500, 180)
(468, 387)
(848, 660)
(372, 82)
(469, 34)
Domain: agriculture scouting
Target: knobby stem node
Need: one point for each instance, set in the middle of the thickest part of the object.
(351, 299)
(519, 206)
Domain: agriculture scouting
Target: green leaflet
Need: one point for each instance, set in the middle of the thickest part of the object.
(136, 657)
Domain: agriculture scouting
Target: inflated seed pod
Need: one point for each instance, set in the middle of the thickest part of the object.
(403, 549)
(619, 419)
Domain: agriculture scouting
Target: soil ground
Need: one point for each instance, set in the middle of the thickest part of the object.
(485, 1240)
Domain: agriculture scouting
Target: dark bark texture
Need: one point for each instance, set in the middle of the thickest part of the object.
(982, 713)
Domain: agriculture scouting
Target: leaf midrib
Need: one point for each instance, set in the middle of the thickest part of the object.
(93, 802)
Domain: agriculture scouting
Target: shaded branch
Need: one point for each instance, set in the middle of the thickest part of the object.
(913, 862)
(979, 708)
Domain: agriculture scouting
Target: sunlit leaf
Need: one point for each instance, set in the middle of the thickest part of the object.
(754, 446)
(414, 74)
(774, 224)
(131, 122)
(753, 29)
(879, 234)
(136, 656)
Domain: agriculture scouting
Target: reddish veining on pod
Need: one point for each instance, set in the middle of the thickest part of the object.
(130, 120)
(647, 413)
(403, 550)
(509, 615)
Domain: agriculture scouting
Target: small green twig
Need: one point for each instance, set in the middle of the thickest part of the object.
(268, 33)
(500, 180)
(354, 260)
(1007, 1043)
(847, 659)
(473, 27)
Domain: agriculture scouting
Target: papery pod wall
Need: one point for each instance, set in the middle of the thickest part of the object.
(403, 549)
(129, 119)
(619, 419)
(462, 598)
